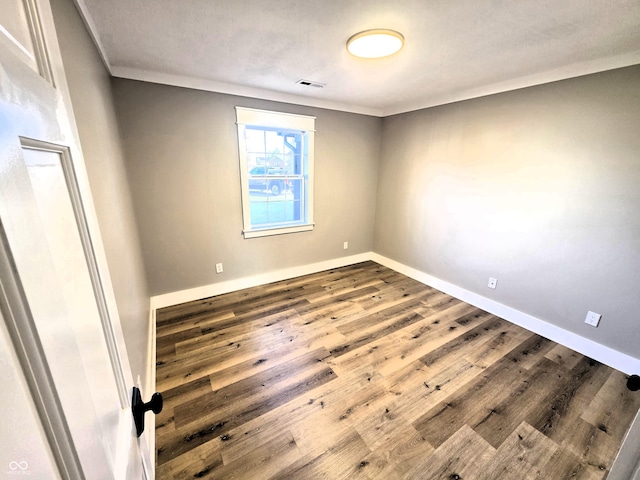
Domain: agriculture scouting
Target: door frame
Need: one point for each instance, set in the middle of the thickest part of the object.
(626, 465)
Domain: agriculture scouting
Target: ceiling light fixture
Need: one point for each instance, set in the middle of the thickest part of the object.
(375, 43)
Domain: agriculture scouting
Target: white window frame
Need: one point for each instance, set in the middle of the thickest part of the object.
(287, 121)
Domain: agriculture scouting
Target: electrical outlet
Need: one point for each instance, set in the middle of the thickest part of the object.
(219, 268)
(345, 245)
(492, 282)
(593, 318)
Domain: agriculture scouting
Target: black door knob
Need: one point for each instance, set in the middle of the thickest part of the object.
(139, 408)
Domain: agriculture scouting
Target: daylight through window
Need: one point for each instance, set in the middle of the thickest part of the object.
(276, 170)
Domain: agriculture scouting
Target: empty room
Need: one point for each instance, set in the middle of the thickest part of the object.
(320, 240)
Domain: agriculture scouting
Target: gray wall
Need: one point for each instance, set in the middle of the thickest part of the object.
(182, 158)
(539, 188)
(90, 88)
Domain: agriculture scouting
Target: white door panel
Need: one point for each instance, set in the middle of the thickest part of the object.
(16, 31)
(24, 449)
(23, 33)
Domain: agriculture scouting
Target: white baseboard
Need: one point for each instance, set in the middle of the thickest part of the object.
(182, 296)
(148, 438)
(150, 385)
(601, 353)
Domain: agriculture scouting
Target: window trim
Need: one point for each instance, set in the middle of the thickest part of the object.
(280, 120)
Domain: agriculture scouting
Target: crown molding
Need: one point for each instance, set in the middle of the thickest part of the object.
(564, 72)
(239, 90)
(93, 33)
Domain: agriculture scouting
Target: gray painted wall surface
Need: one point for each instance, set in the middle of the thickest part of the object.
(90, 88)
(182, 158)
(539, 188)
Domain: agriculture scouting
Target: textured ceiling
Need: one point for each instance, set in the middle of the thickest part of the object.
(455, 49)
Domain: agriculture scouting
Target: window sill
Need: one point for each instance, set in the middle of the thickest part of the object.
(277, 231)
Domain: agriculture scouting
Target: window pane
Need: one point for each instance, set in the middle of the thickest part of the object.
(268, 209)
(297, 194)
(273, 142)
(255, 141)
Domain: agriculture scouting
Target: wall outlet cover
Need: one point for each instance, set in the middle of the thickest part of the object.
(493, 282)
(592, 318)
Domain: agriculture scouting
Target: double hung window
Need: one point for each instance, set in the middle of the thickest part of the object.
(276, 171)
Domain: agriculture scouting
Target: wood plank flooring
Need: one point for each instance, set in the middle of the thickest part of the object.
(363, 373)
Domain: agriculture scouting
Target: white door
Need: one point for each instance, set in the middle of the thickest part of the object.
(627, 464)
(56, 300)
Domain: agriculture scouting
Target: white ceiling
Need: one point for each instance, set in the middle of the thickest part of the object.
(454, 49)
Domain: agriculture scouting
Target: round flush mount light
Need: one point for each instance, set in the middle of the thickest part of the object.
(375, 43)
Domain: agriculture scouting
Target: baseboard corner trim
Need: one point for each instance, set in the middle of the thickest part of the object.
(601, 353)
(206, 291)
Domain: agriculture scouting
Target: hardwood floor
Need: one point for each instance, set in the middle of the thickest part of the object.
(363, 373)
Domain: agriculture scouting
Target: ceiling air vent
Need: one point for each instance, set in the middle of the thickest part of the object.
(309, 83)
